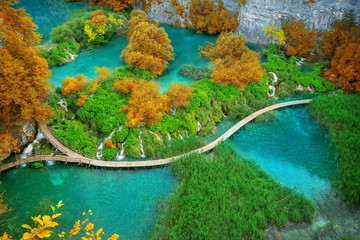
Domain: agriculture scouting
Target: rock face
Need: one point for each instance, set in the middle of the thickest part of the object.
(256, 14)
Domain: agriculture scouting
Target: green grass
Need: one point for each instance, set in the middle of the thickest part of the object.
(227, 197)
(341, 113)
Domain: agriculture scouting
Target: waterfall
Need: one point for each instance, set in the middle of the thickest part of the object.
(300, 61)
(209, 120)
(300, 87)
(63, 104)
(158, 137)
(198, 126)
(121, 156)
(101, 146)
(72, 57)
(223, 114)
(168, 135)
(29, 148)
(272, 88)
(275, 77)
(141, 147)
(187, 134)
(181, 137)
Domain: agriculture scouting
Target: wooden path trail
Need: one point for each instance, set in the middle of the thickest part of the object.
(73, 157)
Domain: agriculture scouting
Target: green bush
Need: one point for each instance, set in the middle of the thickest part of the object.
(121, 135)
(60, 54)
(227, 197)
(70, 31)
(74, 135)
(108, 154)
(178, 146)
(132, 145)
(195, 72)
(341, 113)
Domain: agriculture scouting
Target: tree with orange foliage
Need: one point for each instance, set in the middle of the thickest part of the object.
(98, 19)
(8, 144)
(73, 85)
(149, 48)
(136, 17)
(211, 16)
(345, 66)
(82, 99)
(234, 62)
(23, 72)
(146, 106)
(109, 143)
(299, 41)
(117, 5)
(179, 95)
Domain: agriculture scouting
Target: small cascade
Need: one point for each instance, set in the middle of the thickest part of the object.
(63, 104)
(198, 126)
(168, 136)
(181, 137)
(121, 155)
(275, 77)
(301, 61)
(102, 144)
(157, 136)
(141, 147)
(173, 111)
(72, 56)
(29, 148)
(209, 120)
(300, 87)
(273, 89)
(187, 134)
(223, 114)
(50, 163)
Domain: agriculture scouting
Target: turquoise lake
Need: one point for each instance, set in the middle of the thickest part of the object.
(293, 148)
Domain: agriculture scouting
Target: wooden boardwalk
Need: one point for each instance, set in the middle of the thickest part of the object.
(73, 157)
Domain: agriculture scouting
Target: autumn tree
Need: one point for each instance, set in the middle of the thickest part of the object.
(234, 63)
(276, 33)
(149, 48)
(23, 72)
(146, 106)
(179, 95)
(136, 17)
(299, 40)
(98, 18)
(73, 84)
(345, 66)
(211, 16)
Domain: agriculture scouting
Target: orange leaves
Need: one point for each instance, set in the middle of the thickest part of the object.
(345, 66)
(149, 47)
(8, 144)
(114, 4)
(211, 16)
(82, 100)
(146, 106)
(103, 72)
(24, 70)
(73, 85)
(234, 62)
(299, 41)
(110, 144)
(98, 19)
(179, 95)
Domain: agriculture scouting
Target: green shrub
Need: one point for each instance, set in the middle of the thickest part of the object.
(60, 54)
(195, 72)
(121, 135)
(132, 145)
(108, 154)
(70, 31)
(178, 146)
(227, 197)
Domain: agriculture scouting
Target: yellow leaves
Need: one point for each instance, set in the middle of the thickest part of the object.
(60, 204)
(277, 33)
(114, 237)
(39, 231)
(110, 144)
(101, 30)
(89, 227)
(8, 144)
(76, 229)
(89, 32)
(5, 236)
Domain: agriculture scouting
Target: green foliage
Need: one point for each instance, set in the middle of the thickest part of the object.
(74, 135)
(178, 146)
(195, 72)
(129, 72)
(259, 90)
(121, 135)
(132, 145)
(227, 197)
(341, 113)
(60, 54)
(70, 31)
(37, 165)
(108, 154)
(101, 110)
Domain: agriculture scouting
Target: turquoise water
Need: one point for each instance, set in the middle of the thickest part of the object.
(122, 201)
(48, 14)
(294, 149)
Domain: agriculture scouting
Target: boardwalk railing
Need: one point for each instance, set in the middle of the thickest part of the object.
(73, 157)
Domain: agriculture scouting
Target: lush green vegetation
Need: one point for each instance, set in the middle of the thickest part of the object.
(290, 76)
(341, 113)
(195, 72)
(74, 134)
(61, 54)
(227, 197)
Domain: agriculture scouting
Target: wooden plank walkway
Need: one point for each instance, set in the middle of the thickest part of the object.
(73, 157)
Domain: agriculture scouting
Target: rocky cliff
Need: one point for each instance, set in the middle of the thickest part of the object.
(256, 14)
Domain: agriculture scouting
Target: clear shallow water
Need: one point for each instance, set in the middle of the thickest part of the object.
(294, 149)
(48, 14)
(123, 201)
